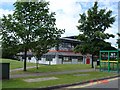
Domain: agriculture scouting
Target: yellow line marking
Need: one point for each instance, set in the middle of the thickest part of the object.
(93, 83)
(108, 61)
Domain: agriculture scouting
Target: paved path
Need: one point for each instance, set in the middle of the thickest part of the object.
(18, 69)
(48, 73)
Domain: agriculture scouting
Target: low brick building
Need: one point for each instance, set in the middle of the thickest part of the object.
(63, 53)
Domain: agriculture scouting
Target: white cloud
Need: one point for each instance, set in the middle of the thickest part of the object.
(7, 1)
(67, 14)
(5, 12)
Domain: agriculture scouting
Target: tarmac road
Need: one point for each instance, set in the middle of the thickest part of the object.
(108, 83)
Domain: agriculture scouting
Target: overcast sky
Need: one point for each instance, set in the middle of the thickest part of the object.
(67, 13)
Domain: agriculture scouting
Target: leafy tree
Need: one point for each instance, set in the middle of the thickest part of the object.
(31, 27)
(7, 44)
(92, 26)
(118, 40)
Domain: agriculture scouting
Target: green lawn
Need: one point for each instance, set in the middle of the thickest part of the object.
(43, 68)
(15, 64)
(0, 85)
(55, 68)
(60, 67)
(63, 79)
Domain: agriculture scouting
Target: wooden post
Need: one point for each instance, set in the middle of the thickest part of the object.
(100, 61)
(108, 61)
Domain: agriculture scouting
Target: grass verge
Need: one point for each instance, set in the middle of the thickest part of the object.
(15, 64)
(63, 79)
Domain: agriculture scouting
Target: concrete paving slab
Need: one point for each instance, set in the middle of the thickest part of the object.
(40, 79)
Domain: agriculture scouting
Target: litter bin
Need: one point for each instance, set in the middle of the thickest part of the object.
(5, 70)
(98, 62)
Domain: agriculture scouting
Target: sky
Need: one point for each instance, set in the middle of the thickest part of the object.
(67, 14)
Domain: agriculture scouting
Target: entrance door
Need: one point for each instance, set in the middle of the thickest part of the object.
(88, 61)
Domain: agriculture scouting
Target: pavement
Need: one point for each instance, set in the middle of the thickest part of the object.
(48, 73)
(18, 69)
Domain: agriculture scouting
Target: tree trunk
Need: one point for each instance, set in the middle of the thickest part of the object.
(92, 61)
(49, 62)
(25, 58)
(37, 63)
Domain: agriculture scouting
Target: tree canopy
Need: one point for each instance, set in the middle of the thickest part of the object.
(31, 26)
(118, 40)
(92, 27)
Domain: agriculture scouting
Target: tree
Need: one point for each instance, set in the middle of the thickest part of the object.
(118, 40)
(7, 43)
(92, 26)
(30, 27)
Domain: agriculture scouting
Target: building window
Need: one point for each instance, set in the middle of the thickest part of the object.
(65, 46)
(80, 59)
(48, 59)
(60, 56)
(66, 59)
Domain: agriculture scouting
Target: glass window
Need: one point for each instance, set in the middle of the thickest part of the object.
(80, 59)
(104, 56)
(113, 56)
(65, 46)
(67, 59)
